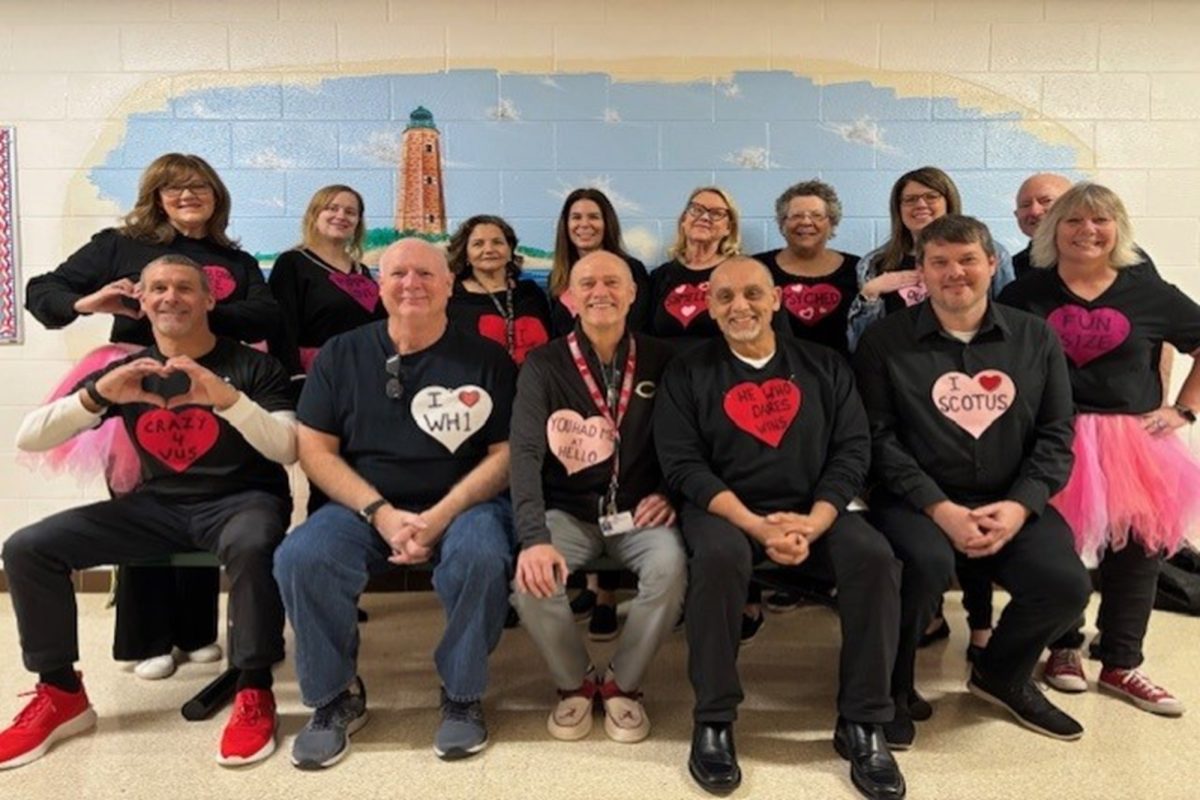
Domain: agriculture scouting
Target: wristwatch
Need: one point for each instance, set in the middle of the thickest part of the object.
(1185, 412)
(94, 395)
(367, 512)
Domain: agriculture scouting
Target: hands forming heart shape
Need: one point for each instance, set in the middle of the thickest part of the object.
(178, 382)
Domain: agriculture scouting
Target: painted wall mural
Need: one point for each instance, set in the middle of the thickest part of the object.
(516, 144)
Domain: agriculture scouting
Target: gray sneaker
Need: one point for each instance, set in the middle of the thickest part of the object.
(462, 732)
(325, 740)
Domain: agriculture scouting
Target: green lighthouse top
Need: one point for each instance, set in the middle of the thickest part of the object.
(421, 117)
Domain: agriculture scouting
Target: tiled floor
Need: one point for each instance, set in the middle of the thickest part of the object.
(144, 749)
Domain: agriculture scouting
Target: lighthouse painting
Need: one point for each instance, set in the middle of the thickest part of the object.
(420, 202)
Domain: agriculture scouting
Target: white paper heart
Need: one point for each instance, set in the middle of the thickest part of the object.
(577, 442)
(451, 415)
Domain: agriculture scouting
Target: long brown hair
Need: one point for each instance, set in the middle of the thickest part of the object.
(565, 251)
(323, 197)
(148, 220)
(901, 242)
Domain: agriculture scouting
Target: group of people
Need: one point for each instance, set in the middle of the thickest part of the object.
(882, 422)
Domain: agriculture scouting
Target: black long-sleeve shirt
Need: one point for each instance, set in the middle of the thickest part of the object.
(562, 448)
(972, 422)
(481, 315)
(317, 302)
(780, 438)
(1114, 342)
(245, 308)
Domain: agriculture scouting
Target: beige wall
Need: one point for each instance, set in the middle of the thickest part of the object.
(1122, 77)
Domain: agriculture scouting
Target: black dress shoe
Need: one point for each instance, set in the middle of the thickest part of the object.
(713, 760)
(942, 631)
(872, 769)
(974, 653)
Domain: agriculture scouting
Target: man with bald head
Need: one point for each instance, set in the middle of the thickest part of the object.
(1034, 198)
(584, 483)
(404, 425)
(765, 440)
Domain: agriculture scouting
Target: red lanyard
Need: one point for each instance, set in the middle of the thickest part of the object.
(585, 372)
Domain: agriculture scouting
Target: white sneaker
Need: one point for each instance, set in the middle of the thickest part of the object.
(203, 655)
(155, 669)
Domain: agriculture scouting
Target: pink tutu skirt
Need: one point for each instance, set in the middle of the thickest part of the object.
(105, 450)
(1128, 483)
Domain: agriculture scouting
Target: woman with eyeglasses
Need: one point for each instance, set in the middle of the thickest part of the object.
(708, 232)
(490, 297)
(164, 615)
(587, 223)
(887, 276)
(322, 286)
(818, 282)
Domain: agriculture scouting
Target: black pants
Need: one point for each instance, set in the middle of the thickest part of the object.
(976, 582)
(241, 529)
(163, 607)
(1048, 584)
(1128, 583)
(720, 560)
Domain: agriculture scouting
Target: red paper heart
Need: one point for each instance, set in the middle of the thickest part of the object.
(811, 304)
(220, 281)
(765, 411)
(990, 382)
(362, 289)
(468, 397)
(177, 438)
(528, 333)
(687, 301)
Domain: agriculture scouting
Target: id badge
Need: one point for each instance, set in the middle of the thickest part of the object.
(617, 524)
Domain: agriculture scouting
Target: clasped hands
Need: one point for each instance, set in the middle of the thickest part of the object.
(786, 535)
(410, 535)
(979, 532)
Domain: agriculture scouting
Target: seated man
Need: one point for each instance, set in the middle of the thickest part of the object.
(587, 400)
(404, 425)
(766, 441)
(971, 423)
(211, 422)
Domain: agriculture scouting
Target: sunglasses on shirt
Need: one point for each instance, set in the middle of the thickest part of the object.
(397, 376)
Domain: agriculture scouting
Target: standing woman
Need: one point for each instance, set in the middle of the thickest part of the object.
(708, 232)
(818, 282)
(182, 207)
(322, 287)
(887, 276)
(490, 296)
(1134, 491)
(587, 223)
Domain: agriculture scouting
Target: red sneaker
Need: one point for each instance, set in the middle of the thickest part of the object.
(52, 715)
(1135, 686)
(249, 735)
(1064, 670)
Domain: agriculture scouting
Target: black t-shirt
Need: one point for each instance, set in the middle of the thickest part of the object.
(189, 453)
(679, 305)
(1113, 343)
(318, 302)
(245, 309)
(907, 297)
(485, 315)
(456, 402)
(817, 307)
(562, 317)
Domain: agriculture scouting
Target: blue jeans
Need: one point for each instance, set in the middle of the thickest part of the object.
(323, 565)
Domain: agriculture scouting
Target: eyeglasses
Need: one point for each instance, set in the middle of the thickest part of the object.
(696, 211)
(394, 389)
(912, 199)
(198, 188)
(801, 216)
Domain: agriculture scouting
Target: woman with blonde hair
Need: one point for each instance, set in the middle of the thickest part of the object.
(707, 233)
(1134, 490)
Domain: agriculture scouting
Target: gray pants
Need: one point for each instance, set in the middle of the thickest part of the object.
(655, 555)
